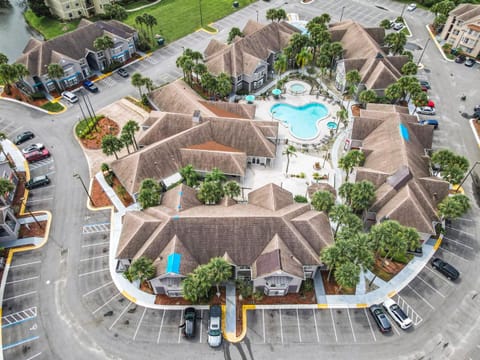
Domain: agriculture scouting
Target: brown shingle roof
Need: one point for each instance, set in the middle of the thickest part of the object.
(270, 196)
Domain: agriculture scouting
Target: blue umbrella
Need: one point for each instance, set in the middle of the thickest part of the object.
(332, 125)
(276, 92)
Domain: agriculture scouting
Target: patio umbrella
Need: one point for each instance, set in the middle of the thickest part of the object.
(431, 103)
(276, 92)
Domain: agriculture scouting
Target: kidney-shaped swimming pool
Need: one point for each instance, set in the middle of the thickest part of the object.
(302, 120)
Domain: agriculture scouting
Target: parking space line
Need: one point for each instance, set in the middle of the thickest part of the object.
(19, 296)
(39, 200)
(94, 257)
(119, 316)
(97, 244)
(113, 297)
(333, 323)
(281, 325)
(464, 219)
(370, 324)
(21, 342)
(98, 288)
(448, 251)
(394, 326)
(430, 286)
(161, 326)
(263, 321)
(316, 327)
(139, 323)
(26, 264)
(17, 281)
(92, 272)
(464, 232)
(409, 310)
(439, 276)
(298, 324)
(458, 242)
(34, 356)
(180, 329)
(421, 297)
(201, 325)
(351, 326)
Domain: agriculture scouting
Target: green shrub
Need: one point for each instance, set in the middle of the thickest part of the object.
(307, 285)
(257, 296)
(38, 95)
(84, 127)
(109, 178)
(104, 167)
(300, 199)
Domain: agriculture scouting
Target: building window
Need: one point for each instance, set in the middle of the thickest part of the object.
(67, 6)
(69, 14)
(79, 12)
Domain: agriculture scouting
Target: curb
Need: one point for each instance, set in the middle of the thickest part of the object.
(208, 32)
(472, 126)
(25, 104)
(232, 337)
(437, 44)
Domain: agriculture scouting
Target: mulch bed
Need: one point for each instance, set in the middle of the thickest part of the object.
(356, 110)
(18, 95)
(390, 267)
(476, 125)
(105, 126)
(99, 196)
(214, 299)
(32, 229)
(332, 288)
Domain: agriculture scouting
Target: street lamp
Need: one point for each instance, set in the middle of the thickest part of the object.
(77, 176)
(423, 52)
(200, 9)
(30, 213)
(466, 176)
(341, 15)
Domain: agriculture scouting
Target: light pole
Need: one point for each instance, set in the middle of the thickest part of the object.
(403, 10)
(257, 14)
(341, 15)
(77, 176)
(466, 176)
(30, 213)
(423, 52)
(200, 9)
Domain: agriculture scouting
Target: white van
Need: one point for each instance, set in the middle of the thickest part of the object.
(71, 97)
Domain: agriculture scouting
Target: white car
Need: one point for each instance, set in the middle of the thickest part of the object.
(426, 110)
(412, 7)
(397, 314)
(32, 148)
(398, 26)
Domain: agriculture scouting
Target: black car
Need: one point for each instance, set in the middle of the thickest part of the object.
(380, 318)
(122, 72)
(90, 86)
(190, 317)
(446, 269)
(460, 59)
(37, 181)
(25, 136)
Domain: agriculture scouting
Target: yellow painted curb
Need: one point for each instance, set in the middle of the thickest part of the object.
(322, 306)
(437, 244)
(232, 337)
(362, 306)
(392, 293)
(208, 32)
(128, 296)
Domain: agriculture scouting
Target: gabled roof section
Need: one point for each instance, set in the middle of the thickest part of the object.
(175, 258)
(180, 198)
(315, 228)
(231, 163)
(466, 12)
(270, 196)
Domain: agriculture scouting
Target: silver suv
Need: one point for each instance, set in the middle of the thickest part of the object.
(215, 326)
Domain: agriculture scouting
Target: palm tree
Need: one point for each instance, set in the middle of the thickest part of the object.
(150, 21)
(367, 96)
(140, 21)
(191, 290)
(210, 192)
(126, 139)
(234, 32)
(323, 201)
(342, 116)
(452, 207)
(303, 58)
(289, 151)
(131, 127)
(208, 82)
(104, 43)
(219, 271)
(199, 69)
(224, 84)
(345, 191)
(189, 175)
(8, 76)
(196, 56)
(319, 35)
(419, 98)
(149, 193)
(350, 160)
(281, 15)
(111, 145)
(271, 14)
(409, 68)
(408, 85)
(385, 23)
(347, 275)
(142, 269)
(6, 186)
(55, 72)
(20, 71)
(339, 214)
(137, 81)
(396, 42)
(362, 196)
(353, 79)
(331, 256)
(393, 92)
(232, 189)
(280, 65)
(3, 58)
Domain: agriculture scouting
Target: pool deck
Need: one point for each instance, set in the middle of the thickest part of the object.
(308, 152)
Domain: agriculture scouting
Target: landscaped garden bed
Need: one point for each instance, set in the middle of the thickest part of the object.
(92, 131)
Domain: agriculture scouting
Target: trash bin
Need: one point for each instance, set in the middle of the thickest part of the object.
(161, 41)
(236, 4)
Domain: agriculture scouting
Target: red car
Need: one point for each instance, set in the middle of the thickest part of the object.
(37, 155)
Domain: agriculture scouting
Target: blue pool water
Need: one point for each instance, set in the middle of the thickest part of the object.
(302, 120)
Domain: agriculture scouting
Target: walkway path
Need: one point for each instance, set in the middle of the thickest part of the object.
(144, 6)
(230, 319)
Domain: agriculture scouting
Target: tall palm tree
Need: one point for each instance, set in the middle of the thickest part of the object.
(104, 43)
(8, 75)
(224, 84)
(350, 160)
(342, 116)
(219, 271)
(323, 201)
(140, 21)
(353, 79)
(21, 71)
(303, 58)
(216, 175)
(189, 175)
(232, 189)
(199, 69)
(289, 151)
(396, 42)
(409, 68)
(131, 127)
(363, 195)
(137, 81)
(393, 92)
(280, 65)
(345, 191)
(347, 275)
(55, 72)
(452, 207)
(3, 59)
(5, 186)
(367, 96)
(111, 145)
(338, 214)
(150, 21)
(3, 136)
(209, 83)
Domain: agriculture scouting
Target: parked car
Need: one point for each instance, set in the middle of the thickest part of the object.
(424, 88)
(37, 181)
(32, 147)
(70, 97)
(460, 59)
(445, 268)
(24, 136)
(190, 317)
(122, 72)
(398, 26)
(90, 86)
(426, 110)
(425, 83)
(470, 62)
(411, 7)
(380, 318)
(215, 326)
(397, 314)
(37, 155)
(431, 122)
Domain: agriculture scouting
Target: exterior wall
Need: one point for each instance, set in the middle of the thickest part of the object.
(266, 285)
(340, 74)
(10, 227)
(459, 35)
(73, 9)
(168, 284)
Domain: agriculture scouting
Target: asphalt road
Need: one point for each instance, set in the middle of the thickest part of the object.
(66, 296)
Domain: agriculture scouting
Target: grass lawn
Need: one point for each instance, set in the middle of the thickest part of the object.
(53, 107)
(175, 18)
(48, 27)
